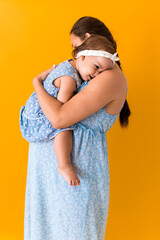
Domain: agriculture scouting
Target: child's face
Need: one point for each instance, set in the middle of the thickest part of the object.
(90, 66)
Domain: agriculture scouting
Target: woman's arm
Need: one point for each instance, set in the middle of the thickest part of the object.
(98, 93)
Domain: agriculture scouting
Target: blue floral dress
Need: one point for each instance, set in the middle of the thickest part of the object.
(54, 210)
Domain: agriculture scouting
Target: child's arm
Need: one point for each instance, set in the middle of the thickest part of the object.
(67, 88)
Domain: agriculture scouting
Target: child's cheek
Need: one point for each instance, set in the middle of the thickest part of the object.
(84, 70)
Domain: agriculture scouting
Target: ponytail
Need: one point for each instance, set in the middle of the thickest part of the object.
(124, 115)
(125, 111)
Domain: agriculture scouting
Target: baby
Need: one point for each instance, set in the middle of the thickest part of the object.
(92, 57)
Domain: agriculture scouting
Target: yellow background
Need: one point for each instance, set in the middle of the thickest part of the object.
(33, 36)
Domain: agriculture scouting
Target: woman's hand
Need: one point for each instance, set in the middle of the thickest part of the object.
(42, 76)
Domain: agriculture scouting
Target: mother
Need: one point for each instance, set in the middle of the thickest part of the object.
(53, 209)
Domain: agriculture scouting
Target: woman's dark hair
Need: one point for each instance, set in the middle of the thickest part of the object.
(93, 25)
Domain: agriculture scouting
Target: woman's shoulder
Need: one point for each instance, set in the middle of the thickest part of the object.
(113, 79)
(112, 86)
(119, 89)
(114, 75)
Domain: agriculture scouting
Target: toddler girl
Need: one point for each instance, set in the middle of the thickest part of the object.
(92, 57)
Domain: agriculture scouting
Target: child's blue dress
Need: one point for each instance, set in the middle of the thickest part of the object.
(34, 126)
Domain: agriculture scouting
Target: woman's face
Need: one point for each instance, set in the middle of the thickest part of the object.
(76, 41)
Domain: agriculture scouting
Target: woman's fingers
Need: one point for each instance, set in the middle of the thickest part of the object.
(42, 76)
(45, 73)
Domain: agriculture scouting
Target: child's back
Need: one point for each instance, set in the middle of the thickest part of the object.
(35, 127)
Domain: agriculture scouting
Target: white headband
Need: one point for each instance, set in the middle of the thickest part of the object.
(99, 54)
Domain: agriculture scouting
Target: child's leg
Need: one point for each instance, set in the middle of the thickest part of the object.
(63, 148)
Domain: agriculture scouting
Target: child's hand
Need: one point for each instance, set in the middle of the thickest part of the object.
(42, 76)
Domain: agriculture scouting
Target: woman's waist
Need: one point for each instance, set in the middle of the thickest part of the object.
(93, 129)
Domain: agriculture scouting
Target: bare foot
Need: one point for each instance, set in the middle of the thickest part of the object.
(69, 174)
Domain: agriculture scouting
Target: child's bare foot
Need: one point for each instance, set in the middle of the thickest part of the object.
(69, 174)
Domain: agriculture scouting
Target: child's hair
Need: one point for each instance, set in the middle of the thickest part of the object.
(93, 25)
(95, 42)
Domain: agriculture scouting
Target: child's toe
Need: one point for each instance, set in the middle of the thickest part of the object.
(70, 182)
(73, 183)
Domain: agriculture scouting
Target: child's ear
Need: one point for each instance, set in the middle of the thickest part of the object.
(82, 58)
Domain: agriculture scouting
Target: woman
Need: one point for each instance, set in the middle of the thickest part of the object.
(53, 209)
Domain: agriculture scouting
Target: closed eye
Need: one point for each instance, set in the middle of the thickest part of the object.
(97, 67)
